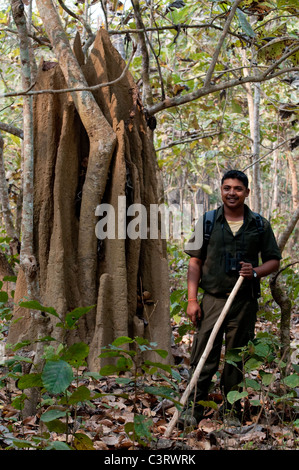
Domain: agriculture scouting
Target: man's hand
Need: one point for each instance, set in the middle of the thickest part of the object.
(194, 311)
(264, 269)
(246, 270)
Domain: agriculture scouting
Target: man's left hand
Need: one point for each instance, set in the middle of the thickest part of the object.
(246, 270)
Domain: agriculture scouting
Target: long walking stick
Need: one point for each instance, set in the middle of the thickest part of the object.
(205, 354)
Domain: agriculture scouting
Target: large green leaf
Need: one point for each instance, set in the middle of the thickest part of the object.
(57, 376)
(52, 415)
(35, 305)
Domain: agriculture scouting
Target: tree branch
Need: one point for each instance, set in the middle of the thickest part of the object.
(147, 90)
(87, 27)
(11, 129)
(206, 90)
(220, 42)
(268, 153)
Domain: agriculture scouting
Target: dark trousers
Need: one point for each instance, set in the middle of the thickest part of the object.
(237, 328)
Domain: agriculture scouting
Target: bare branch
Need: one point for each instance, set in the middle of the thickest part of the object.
(40, 40)
(67, 90)
(220, 42)
(268, 153)
(196, 136)
(11, 129)
(206, 90)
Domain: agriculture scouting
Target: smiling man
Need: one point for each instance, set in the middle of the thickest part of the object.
(239, 238)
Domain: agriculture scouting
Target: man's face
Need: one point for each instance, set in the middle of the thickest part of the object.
(233, 193)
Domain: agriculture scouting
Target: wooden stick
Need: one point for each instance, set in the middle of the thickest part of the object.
(205, 354)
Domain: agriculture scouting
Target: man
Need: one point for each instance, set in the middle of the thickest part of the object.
(233, 249)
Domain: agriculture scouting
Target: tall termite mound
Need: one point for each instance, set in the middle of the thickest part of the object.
(126, 267)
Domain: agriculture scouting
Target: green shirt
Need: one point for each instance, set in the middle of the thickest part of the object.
(248, 244)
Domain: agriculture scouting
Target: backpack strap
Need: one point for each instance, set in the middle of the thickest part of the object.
(209, 219)
(259, 222)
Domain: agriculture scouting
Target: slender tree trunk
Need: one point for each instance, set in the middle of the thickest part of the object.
(273, 189)
(280, 295)
(4, 196)
(27, 258)
(253, 102)
(294, 180)
(147, 90)
(256, 149)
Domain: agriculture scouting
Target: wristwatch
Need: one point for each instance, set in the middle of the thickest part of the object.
(254, 274)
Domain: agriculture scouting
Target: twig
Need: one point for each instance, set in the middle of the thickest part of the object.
(268, 153)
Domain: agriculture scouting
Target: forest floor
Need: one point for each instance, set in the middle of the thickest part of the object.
(100, 424)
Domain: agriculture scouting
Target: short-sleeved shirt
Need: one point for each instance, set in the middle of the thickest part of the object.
(248, 245)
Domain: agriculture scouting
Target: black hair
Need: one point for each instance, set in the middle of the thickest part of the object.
(236, 174)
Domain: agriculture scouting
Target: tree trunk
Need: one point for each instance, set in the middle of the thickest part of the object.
(4, 196)
(253, 102)
(91, 150)
(257, 191)
(278, 292)
(27, 258)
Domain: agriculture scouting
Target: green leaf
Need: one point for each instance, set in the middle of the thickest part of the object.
(108, 369)
(72, 317)
(251, 383)
(158, 365)
(142, 426)
(122, 340)
(252, 364)
(83, 442)
(244, 24)
(57, 445)
(21, 444)
(76, 354)
(139, 429)
(267, 379)
(10, 278)
(234, 396)
(3, 297)
(292, 381)
(34, 305)
(163, 391)
(208, 404)
(161, 352)
(80, 395)
(30, 381)
(56, 426)
(57, 376)
(52, 415)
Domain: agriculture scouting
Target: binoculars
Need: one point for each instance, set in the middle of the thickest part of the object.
(232, 264)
